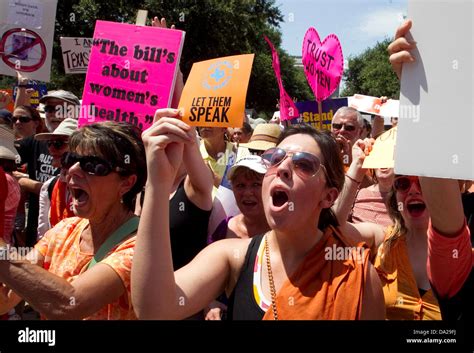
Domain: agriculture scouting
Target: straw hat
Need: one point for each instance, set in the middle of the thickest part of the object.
(7, 149)
(65, 129)
(264, 136)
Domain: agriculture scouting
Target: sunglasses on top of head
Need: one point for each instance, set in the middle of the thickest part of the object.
(404, 183)
(306, 165)
(23, 119)
(90, 164)
(337, 126)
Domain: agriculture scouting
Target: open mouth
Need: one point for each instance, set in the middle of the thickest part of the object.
(416, 208)
(79, 196)
(279, 198)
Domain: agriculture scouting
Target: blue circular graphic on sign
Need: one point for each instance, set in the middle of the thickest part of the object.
(217, 75)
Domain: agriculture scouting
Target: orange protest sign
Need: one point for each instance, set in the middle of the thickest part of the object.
(214, 94)
(382, 154)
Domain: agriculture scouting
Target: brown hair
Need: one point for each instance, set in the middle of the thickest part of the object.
(34, 114)
(248, 174)
(118, 143)
(332, 162)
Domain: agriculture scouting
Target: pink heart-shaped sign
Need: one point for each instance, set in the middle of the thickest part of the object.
(323, 63)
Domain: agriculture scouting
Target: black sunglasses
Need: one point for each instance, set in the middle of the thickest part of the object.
(338, 126)
(306, 164)
(404, 183)
(50, 108)
(23, 119)
(58, 144)
(90, 164)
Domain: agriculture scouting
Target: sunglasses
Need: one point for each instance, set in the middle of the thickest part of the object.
(90, 164)
(337, 126)
(404, 183)
(58, 144)
(22, 119)
(50, 108)
(306, 165)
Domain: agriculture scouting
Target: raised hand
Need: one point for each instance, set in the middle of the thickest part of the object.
(5, 99)
(164, 145)
(399, 48)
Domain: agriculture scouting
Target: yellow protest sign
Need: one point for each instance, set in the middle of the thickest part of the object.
(214, 94)
(382, 154)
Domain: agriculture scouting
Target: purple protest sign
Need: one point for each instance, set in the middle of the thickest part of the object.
(323, 63)
(288, 108)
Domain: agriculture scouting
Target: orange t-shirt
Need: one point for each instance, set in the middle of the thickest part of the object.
(328, 285)
(62, 256)
(402, 297)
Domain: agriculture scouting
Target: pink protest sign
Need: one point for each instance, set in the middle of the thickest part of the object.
(323, 63)
(132, 71)
(288, 108)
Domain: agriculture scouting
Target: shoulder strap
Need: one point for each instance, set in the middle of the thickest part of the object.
(126, 229)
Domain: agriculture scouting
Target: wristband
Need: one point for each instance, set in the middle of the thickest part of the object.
(22, 85)
(355, 181)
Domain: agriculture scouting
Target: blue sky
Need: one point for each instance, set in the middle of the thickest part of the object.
(357, 23)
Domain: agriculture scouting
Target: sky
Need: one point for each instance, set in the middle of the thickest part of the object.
(358, 24)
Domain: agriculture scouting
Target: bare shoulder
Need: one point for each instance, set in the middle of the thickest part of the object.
(370, 233)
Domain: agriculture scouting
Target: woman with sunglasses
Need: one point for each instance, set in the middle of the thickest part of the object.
(304, 178)
(81, 267)
(26, 122)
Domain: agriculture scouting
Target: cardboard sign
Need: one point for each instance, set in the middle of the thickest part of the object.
(288, 109)
(26, 37)
(132, 72)
(40, 91)
(323, 63)
(382, 154)
(436, 124)
(76, 54)
(374, 105)
(214, 94)
(309, 113)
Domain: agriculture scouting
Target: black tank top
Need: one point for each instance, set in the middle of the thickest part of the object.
(188, 228)
(242, 304)
(460, 306)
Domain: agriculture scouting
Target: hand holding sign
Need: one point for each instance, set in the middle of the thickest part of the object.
(323, 63)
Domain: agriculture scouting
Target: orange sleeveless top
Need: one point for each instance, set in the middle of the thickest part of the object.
(402, 297)
(328, 285)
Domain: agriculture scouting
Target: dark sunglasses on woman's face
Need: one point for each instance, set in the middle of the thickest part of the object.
(337, 126)
(404, 183)
(57, 144)
(90, 164)
(306, 165)
(23, 119)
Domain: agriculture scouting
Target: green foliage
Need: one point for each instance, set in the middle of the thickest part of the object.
(370, 73)
(214, 28)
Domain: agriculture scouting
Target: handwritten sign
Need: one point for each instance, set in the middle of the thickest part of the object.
(132, 72)
(382, 154)
(214, 94)
(288, 109)
(310, 114)
(76, 54)
(26, 38)
(323, 63)
(374, 105)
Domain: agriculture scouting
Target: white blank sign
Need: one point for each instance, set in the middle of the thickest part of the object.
(436, 129)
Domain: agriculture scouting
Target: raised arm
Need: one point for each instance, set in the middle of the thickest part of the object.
(158, 292)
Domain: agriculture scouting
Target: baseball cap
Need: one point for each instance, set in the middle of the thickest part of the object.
(63, 95)
(6, 114)
(252, 162)
(65, 129)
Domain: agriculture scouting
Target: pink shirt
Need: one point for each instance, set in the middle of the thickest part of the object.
(369, 206)
(11, 205)
(450, 260)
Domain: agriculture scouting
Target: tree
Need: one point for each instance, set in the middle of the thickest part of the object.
(370, 73)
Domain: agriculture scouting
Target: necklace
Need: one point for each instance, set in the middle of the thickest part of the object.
(270, 279)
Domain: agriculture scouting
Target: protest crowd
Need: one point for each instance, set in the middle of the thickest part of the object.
(265, 220)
